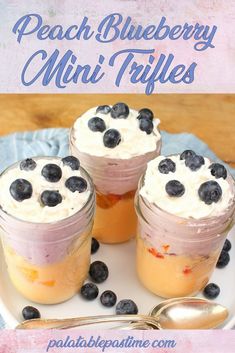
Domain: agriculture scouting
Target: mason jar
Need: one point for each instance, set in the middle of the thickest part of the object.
(176, 256)
(115, 181)
(48, 262)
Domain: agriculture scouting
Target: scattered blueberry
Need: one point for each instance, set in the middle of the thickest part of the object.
(145, 113)
(28, 164)
(76, 183)
(209, 192)
(218, 170)
(126, 306)
(94, 245)
(21, 189)
(29, 313)
(108, 298)
(98, 271)
(146, 125)
(89, 291)
(175, 188)
(96, 124)
(103, 109)
(194, 162)
(227, 245)
(51, 198)
(166, 166)
(71, 162)
(223, 260)
(187, 153)
(111, 138)
(52, 172)
(211, 291)
(119, 111)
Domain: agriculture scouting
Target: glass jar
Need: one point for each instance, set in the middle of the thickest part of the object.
(115, 181)
(48, 262)
(176, 256)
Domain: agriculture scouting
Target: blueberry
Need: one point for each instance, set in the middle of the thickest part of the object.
(227, 245)
(175, 188)
(29, 313)
(126, 306)
(28, 164)
(145, 113)
(194, 162)
(71, 162)
(146, 125)
(76, 183)
(218, 170)
(111, 138)
(209, 192)
(98, 271)
(108, 298)
(103, 109)
(94, 245)
(51, 198)
(187, 153)
(96, 124)
(223, 260)
(52, 172)
(89, 291)
(119, 111)
(166, 166)
(21, 189)
(211, 291)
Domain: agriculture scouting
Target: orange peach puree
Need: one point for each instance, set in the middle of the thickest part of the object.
(52, 283)
(169, 275)
(115, 218)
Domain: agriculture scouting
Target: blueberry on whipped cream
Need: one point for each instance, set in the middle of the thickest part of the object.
(51, 198)
(218, 170)
(96, 124)
(21, 189)
(52, 172)
(166, 166)
(28, 164)
(120, 111)
(53, 190)
(188, 185)
(72, 162)
(116, 131)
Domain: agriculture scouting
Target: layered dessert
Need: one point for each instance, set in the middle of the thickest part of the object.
(185, 206)
(114, 143)
(46, 215)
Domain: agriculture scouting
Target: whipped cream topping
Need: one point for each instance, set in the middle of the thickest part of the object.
(32, 209)
(134, 141)
(189, 205)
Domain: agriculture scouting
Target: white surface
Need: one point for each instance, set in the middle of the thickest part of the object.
(122, 280)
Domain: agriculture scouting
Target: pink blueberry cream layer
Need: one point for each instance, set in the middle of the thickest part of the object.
(46, 230)
(187, 207)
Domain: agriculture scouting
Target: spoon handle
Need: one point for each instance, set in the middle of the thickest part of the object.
(81, 321)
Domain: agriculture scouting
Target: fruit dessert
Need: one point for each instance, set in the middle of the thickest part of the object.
(185, 206)
(114, 143)
(46, 215)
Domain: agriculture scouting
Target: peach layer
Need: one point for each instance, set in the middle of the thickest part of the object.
(170, 275)
(53, 283)
(115, 218)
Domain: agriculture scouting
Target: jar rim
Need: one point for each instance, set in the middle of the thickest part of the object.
(58, 222)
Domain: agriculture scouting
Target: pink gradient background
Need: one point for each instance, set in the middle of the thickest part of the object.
(215, 66)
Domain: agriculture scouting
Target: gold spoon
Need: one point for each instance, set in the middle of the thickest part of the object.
(176, 313)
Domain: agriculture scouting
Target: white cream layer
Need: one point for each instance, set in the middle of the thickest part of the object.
(32, 210)
(134, 142)
(189, 204)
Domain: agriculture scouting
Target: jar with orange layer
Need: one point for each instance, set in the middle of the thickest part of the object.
(181, 234)
(47, 260)
(114, 144)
